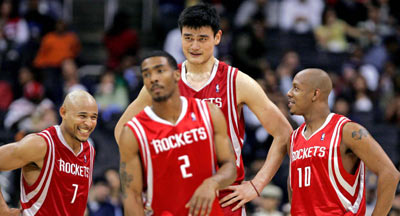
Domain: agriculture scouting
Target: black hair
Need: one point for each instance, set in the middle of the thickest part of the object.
(160, 53)
(201, 15)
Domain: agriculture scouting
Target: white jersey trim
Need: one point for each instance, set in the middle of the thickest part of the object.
(232, 115)
(207, 121)
(332, 173)
(149, 197)
(158, 119)
(61, 137)
(327, 120)
(38, 204)
(213, 73)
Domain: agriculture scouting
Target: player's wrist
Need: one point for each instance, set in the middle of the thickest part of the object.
(212, 183)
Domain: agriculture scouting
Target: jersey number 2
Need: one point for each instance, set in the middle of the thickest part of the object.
(186, 164)
(75, 191)
(307, 176)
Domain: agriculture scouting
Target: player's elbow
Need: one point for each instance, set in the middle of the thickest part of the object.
(390, 176)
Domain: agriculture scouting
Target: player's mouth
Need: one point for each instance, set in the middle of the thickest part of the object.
(84, 131)
(291, 103)
(195, 54)
(156, 88)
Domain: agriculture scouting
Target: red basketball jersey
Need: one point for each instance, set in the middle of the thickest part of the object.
(176, 157)
(63, 184)
(221, 91)
(320, 184)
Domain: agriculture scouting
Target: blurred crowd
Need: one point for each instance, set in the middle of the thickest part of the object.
(356, 41)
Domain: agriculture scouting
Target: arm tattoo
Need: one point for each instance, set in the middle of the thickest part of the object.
(358, 135)
(126, 179)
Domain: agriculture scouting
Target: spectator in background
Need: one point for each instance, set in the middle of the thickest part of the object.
(361, 94)
(71, 77)
(15, 28)
(55, 47)
(173, 44)
(120, 40)
(288, 66)
(374, 27)
(332, 34)
(300, 16)
(112, 177)
(351, 11)
(269, 201)
(248, 9)
(99, 201)
(39, 24)
(31, 113)
(111, 96)
(249, 47)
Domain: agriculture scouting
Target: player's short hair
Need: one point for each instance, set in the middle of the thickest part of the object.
(201, 15)
(160, 53)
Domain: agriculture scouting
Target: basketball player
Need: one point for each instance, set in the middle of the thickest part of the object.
(329, 153)
(56, 163)
(206, 78)
(171, 149)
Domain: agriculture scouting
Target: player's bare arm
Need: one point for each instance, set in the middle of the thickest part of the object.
(250, 93)
(142, 100)
(131, 174)
(364, 146)
(30, 149)
(202, 199)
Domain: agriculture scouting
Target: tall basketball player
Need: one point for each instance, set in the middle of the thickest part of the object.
(329, 153)
(57, 163)
(206, 78)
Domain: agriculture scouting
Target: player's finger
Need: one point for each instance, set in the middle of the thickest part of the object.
(191, 205)
(227, 197)
(230, 187)
(230, 202)
(240, 204)
(197, 207)
(204, 206)
(209, 207)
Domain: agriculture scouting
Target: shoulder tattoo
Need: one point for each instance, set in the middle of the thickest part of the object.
(358, 135)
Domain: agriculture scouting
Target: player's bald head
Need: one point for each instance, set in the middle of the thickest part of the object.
(316, 79)
(77, 99)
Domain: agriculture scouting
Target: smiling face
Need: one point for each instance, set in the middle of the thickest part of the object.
(159, 78)
(79, 113)
(198, 43)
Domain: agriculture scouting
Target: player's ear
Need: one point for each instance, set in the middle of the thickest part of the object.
(217, 37)
(177, 75)
(317, 94)
(62, 111)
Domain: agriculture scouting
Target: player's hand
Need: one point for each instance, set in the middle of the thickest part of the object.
(242, 193)
(203, 198)
(10, 212)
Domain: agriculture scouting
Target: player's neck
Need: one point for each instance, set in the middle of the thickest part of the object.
(71, 141)
(315, 119)
(169, 110)
(204, 68)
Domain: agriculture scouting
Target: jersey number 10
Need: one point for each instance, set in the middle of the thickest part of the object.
(307, 176)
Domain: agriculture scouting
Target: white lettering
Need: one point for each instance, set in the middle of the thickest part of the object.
(179, 140)
(73, 169)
